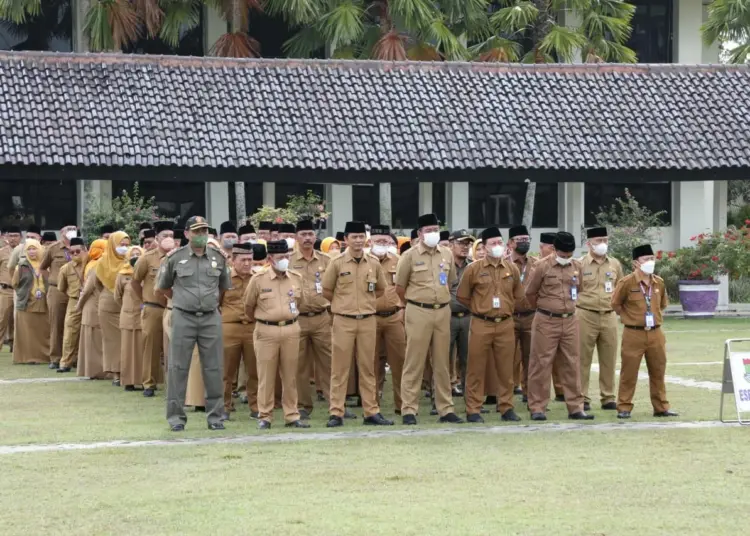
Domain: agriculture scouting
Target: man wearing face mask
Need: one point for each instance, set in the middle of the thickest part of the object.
(424, 277)
(13, 239)
(148, 239)
(553, 290)
(228, 236)
(461, 242)
(547, 248)
(70, 283)
(145, 273)
(288, 232)
(55, 256)
(247, 234)
(314, 320)
(640, 299)
(597, 320)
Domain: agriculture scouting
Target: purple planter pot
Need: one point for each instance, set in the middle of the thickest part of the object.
(699, 298)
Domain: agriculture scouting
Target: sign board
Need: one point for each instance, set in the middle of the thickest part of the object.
(736, 378)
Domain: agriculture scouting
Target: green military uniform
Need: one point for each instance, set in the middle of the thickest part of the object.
(197, 282)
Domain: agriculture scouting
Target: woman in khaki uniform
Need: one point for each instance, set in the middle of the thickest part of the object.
(107, 269)
(32, 323)
(90, 346)
(131, 372)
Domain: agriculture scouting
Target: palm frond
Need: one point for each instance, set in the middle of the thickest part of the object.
(345, 53)
(514, 19)
(19, 11)
(236, 45)
(537, 56)
(390, 47)
(343, 25)
(461, 11)
(740, 54)
(728, 20)
(421, 51)
(179, 16)
(445, 41)
(305, 42)
(296, 12)
(124, 22)
(562, 42)
(496, 49)
(110, 25)
(98, 28)
(151, 16)
(415, 14)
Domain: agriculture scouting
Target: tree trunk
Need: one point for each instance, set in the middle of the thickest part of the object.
(385, 204)
(239, 197)
(528, 205)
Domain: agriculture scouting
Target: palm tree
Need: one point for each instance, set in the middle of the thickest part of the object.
(729, 22)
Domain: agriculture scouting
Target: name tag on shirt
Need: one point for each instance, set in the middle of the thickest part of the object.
(394, 279)
(650, 320)
(495, 302)
(371, 287)
(574, 293)
(318, 287)
(293, 307)
(443, 278)
(608, 287)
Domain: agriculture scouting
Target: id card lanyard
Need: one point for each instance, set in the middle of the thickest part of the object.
(292, 303)
(574, 288)
(647, 296)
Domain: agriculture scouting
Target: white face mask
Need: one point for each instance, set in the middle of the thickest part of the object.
(366, 250)
(497, 251)
(600, 249)
(282, 265)
(392, 250)
(648, 267)
(431, 239)
(71, 235)
(121, 250)
(167, 244)
(562, 261)
(290, 242)
(379, 251)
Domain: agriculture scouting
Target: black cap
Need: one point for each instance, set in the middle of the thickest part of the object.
(596, 232)
(179, 233)
(316, 245)
(13, 229)
(227, 227)
(197, 222)
(49, 236)
(149, 233)
(107, 229)
(565, 242)
(259, 252)
(163, 225)
(265, 226)
(287, 228)
(547, 238)
(277, 246)
(340, 236)
(380, 230)
(33, 228)
(518, 230)
(242, 249)
(490, 232)
(461, 234)
(144, 225)
(445, 235)
(355, 227)
(275, 227)
(246, 229)
(76, 241)
(414, 233)
(642, 251)
(426, 220)
(304, 225)
(212, 231)
(406, 246)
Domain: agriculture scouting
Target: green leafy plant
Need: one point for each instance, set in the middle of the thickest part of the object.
(728, 22)
(298, 207)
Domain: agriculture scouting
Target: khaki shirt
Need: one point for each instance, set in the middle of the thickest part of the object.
(389, 300)
(598, 281)
(232, 304)
(269, 296)
(486, 281)
(55, 257)
(70, 280)
(550, 285)
(354, 284)
(312, 279)
(5, 253)
(525, 269)
(145, 272)
(630, 294)
(196, 280)
(419, 272)
(456, 306)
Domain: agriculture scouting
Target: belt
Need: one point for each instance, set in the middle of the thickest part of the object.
(357, 317)
(598, 312)
(428, 305)
(460, 315)
(153, 304)
(53, 284)
(494, 319)
(3, 285)
(386, 314)
(555, 315)
(170, 308)
(195, 313)
(310, 315)
(643, 328)
(280, 324)
(523, 314)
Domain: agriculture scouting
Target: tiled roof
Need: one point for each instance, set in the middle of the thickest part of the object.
(125, 111)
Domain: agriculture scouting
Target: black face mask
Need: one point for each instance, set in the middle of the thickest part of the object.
(522, 248)
(133, 260)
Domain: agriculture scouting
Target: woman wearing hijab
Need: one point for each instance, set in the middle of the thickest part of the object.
(31, 344)
(107, 269)
(90, 345)
(131, 372)
(330, 245)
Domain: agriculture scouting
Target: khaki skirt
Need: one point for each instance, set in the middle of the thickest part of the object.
(131, 362)
(31, 343)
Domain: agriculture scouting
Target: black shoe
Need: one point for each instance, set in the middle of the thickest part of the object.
(264, 425)
(177, 427)
(216, 426)
(334, 422)
(623, 414)
(321, 398)
(517, 391)
(434, 411)
(525, 399)
(148, 393)
(538, 417)
(128, 388)
(610, 406)
(580, 416)
(491, 400)
(668, 413)
(483, 410)
(510, 416)
(199, 409)
(296, 424)
(304, 415)
(64, 369)
(53, 366)
(254, 415)
(587, 406)
(409, 420)
(451, 418)
(559, 398)
(243, 398)
(377, 420)
(349, 414)
(474, 417)
(456, 391)
(427, 394)
(116, 383)
(397, 411)
(235, 394)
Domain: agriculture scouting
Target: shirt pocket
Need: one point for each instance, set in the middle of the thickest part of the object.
(421, 273)
(636, 297)
(185, 271)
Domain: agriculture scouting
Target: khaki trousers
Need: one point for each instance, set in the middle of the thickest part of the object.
(348, 333)
(598, 331)
(71, 335)
(238, 346)
(427, 330)
(522, 328)
(314, 351)
(636, 344)
(277, 351)
(6, 316)
(548, 337)
(391, 338)
(495, 342)
(57, 305)
(152, 333)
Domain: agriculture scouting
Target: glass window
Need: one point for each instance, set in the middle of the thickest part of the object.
(253, 199)
(174, 200)
(405, 205)
(49, 204)
(651, 38)
(501, 204)
(366, 203)
(51, 30)
(190, 44)
(655, 196)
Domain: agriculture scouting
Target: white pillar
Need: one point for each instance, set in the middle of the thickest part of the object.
(217, 202)
(695, 211)
(386, 212)
(425, 198)
(269, 194)
(571, 210)
(339, 198)
(721, 189)
(688, 45)
(80, 41)
(457, 205)
(214, 26)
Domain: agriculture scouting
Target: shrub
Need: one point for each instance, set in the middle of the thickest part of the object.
(298, 207)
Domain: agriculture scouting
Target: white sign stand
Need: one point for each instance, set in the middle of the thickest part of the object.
(736, 379)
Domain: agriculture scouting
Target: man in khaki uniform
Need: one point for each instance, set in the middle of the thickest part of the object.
(547, 248)
(424, 277)
(148, 239)
(640, 299)
(553, 291)
(491, 288)
(314, 320)
(390, 335)
(597, 320)
(461, 242)
(70, 282)
(145, 273)
(247, 233)
(228, 237)
(13, 239)
(272, 299)
(264, 230)
(352, 283)
(55, 256)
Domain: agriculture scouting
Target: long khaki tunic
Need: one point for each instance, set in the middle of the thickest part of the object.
(31, 343)
(90, 363)
(109, 320)
(131, 372)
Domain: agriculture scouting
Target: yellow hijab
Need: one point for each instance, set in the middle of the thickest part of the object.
(38, 279)
(95, 253)
(325, 245)
(127, 269)
(110, 264)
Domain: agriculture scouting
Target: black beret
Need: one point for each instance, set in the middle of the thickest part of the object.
(242, 249)
(380, 230)
(265, 226)
(565, 242)
(547, 238)
(227, 227)
(163, 225)
(445, 235)
(287, 228)
(33, 228)
(596, 232)
(414, 233)
(490, 232)
(259, 252)
(340, 236)
(642, 251)
(107, 229)
(246, 229)
(49, 236)
(518, 230)
(144, 225)
(76, 241)
(356, 227)
(305, 225)
(275, 227)
(149, 233)
(427, 220)
(13, 229)
(277, 246)
(179, 233)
